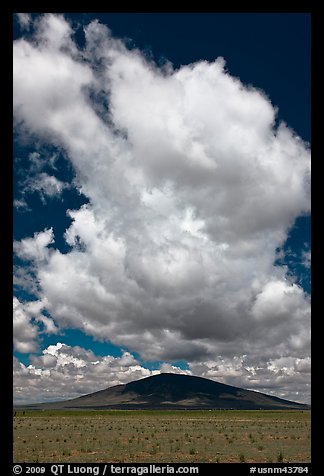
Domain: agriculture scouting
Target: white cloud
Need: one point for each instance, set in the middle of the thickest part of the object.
(38, 161)
(63, 372)
(285, 377)
(24, 20)
(191, 190)
(26, 331)
(24, 278)
(35, 248)
(47, 185)
(48, 323)
(307, 258)
(33, 178)
(21, 205)
(279, 301)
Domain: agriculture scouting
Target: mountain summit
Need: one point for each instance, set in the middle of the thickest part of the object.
(175, 391)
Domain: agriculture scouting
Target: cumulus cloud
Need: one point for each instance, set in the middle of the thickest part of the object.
(285, 377)
(192, 188)
(26, 330)
(63, 372)
(35, 248)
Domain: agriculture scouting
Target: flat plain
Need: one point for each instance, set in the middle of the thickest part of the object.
(267, 436)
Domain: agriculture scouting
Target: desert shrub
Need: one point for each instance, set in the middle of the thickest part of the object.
(280, 457)
(242, 458)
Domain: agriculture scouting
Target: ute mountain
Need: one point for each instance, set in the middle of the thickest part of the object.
(174, 391)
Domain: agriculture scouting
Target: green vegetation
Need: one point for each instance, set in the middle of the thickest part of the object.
(161, 436)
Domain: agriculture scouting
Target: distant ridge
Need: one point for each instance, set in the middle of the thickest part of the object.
(174, 391)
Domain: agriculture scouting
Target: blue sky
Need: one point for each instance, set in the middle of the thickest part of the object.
(161, 200)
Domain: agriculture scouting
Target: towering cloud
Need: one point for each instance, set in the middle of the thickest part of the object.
(192, 187)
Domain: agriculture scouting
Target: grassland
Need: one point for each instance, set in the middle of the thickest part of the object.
(162, 436)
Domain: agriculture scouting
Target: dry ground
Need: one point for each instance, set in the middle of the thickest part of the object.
(162, 436)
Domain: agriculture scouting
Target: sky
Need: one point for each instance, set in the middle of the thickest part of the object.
(161, 201)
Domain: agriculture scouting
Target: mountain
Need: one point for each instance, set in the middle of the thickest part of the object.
(174, 391)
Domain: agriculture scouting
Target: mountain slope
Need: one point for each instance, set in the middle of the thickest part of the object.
(174, 391)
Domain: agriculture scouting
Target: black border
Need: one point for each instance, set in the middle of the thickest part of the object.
(6, 190)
